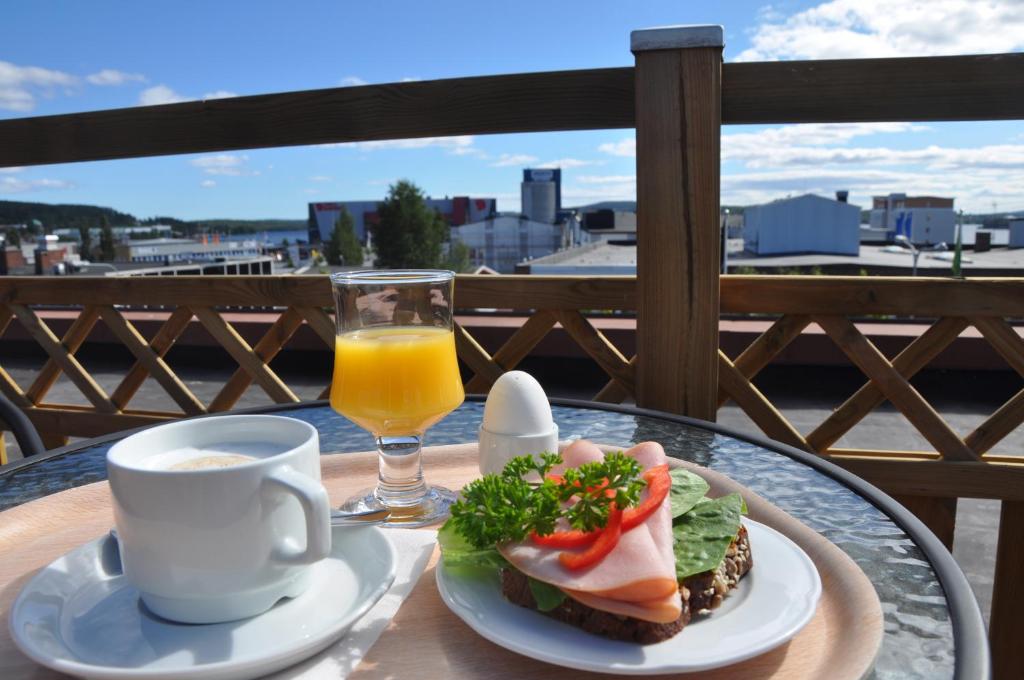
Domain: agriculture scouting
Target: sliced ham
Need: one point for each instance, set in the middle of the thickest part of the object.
(663, 610)
(641, 568)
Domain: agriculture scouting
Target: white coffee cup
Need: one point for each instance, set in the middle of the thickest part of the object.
(219, 543)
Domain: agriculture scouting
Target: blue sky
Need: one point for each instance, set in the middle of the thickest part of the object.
(62, 57)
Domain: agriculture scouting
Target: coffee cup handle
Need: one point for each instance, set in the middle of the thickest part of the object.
(317, 509)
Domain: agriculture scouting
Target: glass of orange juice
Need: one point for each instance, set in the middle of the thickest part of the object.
(395, 375)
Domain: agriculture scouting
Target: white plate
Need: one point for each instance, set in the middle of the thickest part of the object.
(79, 616)
(772, 603)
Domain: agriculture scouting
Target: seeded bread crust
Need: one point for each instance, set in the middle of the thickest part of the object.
(701, 593)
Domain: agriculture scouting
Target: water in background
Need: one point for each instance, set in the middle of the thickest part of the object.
(272, 237)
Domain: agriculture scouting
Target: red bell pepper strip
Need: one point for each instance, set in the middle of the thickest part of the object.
(571, 538)
(658, 485)
(597, 551)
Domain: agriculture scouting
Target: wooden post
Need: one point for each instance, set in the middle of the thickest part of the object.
(1005, 628)
(678, 123)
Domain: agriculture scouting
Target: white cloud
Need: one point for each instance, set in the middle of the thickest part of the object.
(568, 163)
(606, 179)
(411, 79)
(19, 85)
(110, 76)
(509, 159)
(844, 29)
(160, 94)
(208, 183)
(320, 178)
(351, 81)
(17, 185)
(623, 147)
(224, 164)
(11, 170)
(220, 94)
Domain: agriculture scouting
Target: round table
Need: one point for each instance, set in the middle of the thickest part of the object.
(933, 627)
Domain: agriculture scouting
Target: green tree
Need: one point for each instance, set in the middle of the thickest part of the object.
(344, 247)
(106, 240)
(85, 248)
(408, 234)
(458, 257)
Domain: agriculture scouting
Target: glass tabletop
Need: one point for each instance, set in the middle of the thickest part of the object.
(919, 634)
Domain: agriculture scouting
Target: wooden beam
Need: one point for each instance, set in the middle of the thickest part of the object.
(756, 405)
(678, 121)
(895, 387)
(922, 297)
(516, 347)
(940, 478)
(598, 347)
(161, 343)
(755, 357)
(531, 102)
(475, 356)
(1006, 625)
(78, 421)
(972, 87)
(938, 514)
(72, 340)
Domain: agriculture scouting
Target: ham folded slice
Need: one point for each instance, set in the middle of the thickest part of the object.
(640, 571)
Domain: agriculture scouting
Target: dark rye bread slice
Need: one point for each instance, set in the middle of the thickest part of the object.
(701, 592)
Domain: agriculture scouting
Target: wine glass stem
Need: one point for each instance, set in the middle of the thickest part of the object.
(400, 481)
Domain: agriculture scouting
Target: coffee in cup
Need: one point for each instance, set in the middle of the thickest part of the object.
(218, 518)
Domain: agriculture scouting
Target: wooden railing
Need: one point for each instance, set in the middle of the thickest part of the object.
(677, 97)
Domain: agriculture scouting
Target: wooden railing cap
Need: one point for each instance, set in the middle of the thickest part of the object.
(676, 37)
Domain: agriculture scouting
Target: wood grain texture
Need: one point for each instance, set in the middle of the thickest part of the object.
(895, 387)
(678, 97)
(266, 349)
(241, 352)
(997, 426)
(475, 356)
(516, 348)
(613, 392)
(75, 372)
(757, 355)
(938, 514)
(756, 405)
(861, 295)
(975, 87)
(73, 338)
(599, 348)
(157, 367)
(907, 363)
(529, 102)
(1003, 339)
(161, 343)
(1006, 625)
(939, 478)
(425, 640)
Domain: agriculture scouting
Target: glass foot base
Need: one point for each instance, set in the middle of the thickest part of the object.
(432, 508)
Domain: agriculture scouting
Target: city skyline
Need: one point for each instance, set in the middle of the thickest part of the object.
(155, 55)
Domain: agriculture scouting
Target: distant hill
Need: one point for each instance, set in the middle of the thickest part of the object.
(54, 216)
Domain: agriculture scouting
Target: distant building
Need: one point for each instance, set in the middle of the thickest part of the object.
(541, 193)
(503, 241)
(171, 250)
(802, 224)
(606, 224)
(922, 219)
(456, 211)
(592, 259)
(119, 232)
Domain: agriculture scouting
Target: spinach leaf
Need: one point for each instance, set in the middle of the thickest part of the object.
(546, 595)
(687, 490)
(457, 552)
(703, 534)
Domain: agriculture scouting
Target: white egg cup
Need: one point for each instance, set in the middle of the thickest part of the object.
(517, 422)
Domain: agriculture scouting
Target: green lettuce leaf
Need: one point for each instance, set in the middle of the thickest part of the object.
(546, 595)
(687, 490)
(457, 552)
(703, 534)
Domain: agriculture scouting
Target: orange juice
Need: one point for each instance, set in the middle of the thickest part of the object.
(396, 380)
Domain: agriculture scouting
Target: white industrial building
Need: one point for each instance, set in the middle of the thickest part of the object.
(802, 224)
(922, 219)
(502, 241)
(166, 250)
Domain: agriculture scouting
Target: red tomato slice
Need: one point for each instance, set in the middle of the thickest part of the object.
(597, 551)
(658, 484)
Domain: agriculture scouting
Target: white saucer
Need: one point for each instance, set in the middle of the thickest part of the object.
(769, 606)
(79, 616)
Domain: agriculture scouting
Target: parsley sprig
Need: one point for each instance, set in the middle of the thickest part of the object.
(508, 507)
